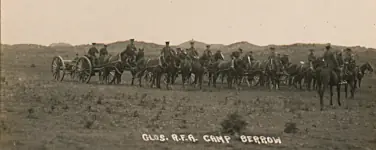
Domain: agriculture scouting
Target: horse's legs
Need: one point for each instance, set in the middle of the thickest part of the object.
(321, 90)
(200, 77)
(331, 95)
(339, 94)
(183, 78)
(346, 89)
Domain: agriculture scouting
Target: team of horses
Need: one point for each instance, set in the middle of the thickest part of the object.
(315, 75)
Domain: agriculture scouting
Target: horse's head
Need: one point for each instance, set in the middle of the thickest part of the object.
(240, 64)
(140, 49)
(369, 67)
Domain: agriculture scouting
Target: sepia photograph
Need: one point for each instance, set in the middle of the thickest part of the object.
(188, 75)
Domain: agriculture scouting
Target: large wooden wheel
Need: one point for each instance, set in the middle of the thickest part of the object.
(58, 68)
(84, 69)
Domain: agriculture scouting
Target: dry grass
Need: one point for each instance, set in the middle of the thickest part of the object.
(38, 113)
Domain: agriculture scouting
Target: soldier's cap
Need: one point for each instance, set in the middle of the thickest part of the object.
(132, 40)
(311, 50)
(207, 45)
(192, 42)
(105, 45)
(240, 49)
(167, 42)
(93, 43)
(348, 49)
(285, 54)
(272, 48)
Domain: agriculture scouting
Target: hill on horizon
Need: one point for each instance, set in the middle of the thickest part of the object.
(155, 48)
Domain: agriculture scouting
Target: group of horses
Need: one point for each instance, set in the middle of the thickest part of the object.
(316, 75)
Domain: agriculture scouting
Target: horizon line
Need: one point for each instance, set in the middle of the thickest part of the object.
(108, 43)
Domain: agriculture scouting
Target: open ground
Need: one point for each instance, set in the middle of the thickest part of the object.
(40, 113)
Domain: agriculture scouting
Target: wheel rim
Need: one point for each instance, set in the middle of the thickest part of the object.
(57, 68)
(84, 70)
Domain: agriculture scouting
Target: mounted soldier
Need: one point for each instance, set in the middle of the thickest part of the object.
(130, 51)
(103, 51)
(332, 63)
(235, 55)
(102, 54)
(311, 58)
(192, 52)
(166, 54)
(349, 59)
(208, 52)
(92, 53)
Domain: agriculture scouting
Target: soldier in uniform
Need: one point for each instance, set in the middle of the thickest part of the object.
(331, 61)
(192, 51)
(166, 52)
(235, 55)
(131, 51)
(208, 52)
(349, 60)
(103, 51)
(311, 57)
(92, 53)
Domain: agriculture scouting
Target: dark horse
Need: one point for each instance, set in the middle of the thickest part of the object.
(361, 71)
(350, 77)
(328, 76)
(170, 67)
(120, 64)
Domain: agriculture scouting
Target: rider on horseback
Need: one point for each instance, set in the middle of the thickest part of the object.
(102, 54)
(331, 61)
(130, 51)
(311, 58)
(192, 52)
(273, 58)
(166, 52)
(103, 51)
(208, 52)
(235, 55)
(349, 60)
(92, 53)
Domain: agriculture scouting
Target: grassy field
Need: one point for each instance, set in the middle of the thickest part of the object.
(39, 113)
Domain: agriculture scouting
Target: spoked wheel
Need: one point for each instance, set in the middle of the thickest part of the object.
(58, 68)
(84, 69)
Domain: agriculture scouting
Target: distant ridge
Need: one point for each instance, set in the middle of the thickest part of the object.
(148, 46)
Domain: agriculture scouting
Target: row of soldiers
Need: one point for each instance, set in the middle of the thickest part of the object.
(328, 56)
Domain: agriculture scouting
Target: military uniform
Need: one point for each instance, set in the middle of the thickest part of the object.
(331, 61)
(103, 51)
(311, 58)
(130, 51)
(192, 51)
(208, 52)
(92, 53)
(164, 53)
(272, 54)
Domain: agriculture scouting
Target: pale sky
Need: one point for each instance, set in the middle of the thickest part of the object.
(261, 22)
